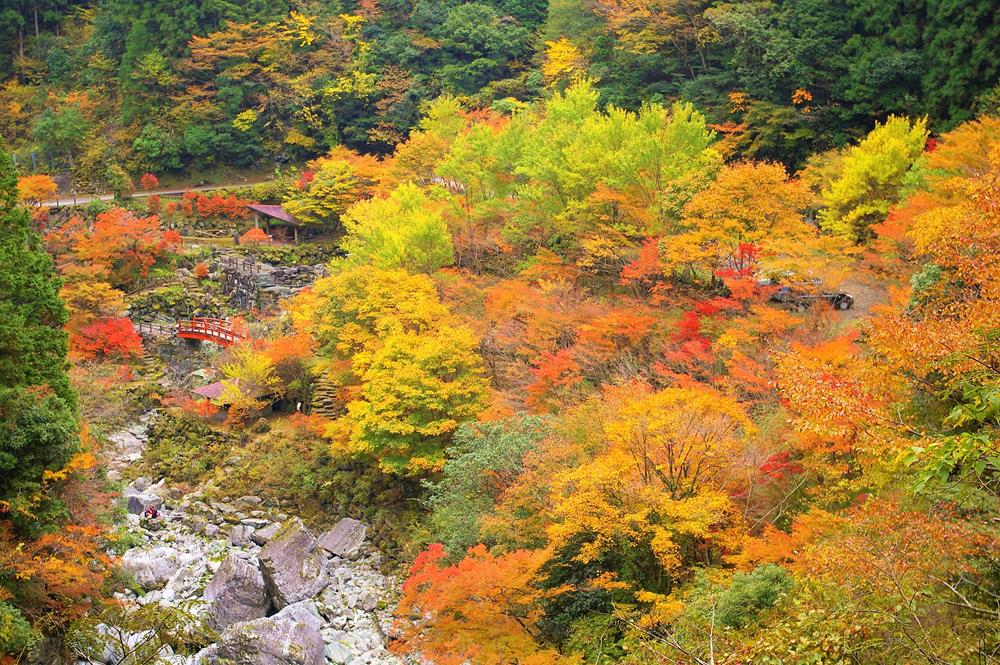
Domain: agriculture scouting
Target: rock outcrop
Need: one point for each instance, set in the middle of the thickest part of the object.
(344, 539)
(272, 591)
(293, 569)
(271, 641)
(236, 593)
(151, 568)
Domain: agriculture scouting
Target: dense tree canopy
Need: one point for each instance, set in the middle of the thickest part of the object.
(637, 330)
(196, 84)
(37, 405)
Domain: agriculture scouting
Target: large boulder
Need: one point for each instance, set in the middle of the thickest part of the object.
(236, 593)
(269, 642)
(138, 503)
(141, 494)
(151, 568)
(239, 535)
(304, 611)
(263, 535)
(344, 539)
(292, 568)
(137, 486)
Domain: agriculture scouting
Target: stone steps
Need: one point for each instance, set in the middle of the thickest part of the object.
(148, 366)
(324, 401)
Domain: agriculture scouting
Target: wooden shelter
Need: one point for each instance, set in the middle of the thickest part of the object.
(275, 215)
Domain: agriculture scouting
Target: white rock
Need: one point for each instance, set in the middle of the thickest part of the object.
(152, 568)
(304, 612)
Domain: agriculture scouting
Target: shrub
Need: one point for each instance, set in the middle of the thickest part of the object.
(255, 236)
(184, 449)
(746, 596)
(149, 182)
(16, 634)
(484, 459)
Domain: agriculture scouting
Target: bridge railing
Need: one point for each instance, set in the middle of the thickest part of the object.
(220, 330)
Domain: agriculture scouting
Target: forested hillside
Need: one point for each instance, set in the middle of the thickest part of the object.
(543, 333)
(113, 87)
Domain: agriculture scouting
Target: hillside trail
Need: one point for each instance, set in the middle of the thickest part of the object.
(867, 292)
(66, 200)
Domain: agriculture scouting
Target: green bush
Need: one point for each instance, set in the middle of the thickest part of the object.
(16, 634)
(738, 604)
(597, 638)
(186, 450)
(482, 458)
(924, 282)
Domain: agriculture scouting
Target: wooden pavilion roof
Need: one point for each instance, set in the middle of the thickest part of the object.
(275, 212)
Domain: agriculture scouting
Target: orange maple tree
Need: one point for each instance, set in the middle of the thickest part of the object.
(108, 338)
(33, 189)
(483, 609)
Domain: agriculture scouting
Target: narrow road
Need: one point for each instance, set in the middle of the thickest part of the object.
(65, 200)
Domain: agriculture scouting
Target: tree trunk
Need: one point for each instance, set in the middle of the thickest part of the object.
(35, 7)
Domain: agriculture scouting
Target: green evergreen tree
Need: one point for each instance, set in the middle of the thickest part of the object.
(37, 404)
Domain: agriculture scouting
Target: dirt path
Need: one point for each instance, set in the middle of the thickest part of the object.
(866, 295)
(83, 200)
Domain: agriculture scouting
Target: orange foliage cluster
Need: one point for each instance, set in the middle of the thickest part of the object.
(107, 338)
(66, 569)
(149, 182)
(255, 236)
(59, 576)
(480, 610)
(97, 261)
(193, 204)
(118, 243)
(34, 189)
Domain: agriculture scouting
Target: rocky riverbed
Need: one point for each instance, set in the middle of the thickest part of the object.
(272, 591)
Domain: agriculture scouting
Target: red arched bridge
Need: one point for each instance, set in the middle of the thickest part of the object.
(221, 331)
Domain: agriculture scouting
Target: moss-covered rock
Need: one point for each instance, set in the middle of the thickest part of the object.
(306, 254)
(186, 450)
(179, 301)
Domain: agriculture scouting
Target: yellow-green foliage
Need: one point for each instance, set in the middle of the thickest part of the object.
(16, 634)
(350, 311)
(334, 187)
(874, 176)
(416, 390)
(402, 231)
(411, 371)
(251, 380)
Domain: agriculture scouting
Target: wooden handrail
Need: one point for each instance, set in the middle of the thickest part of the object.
(222, 331)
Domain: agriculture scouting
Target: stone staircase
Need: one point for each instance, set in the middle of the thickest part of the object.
(324, 398)
(148, 366)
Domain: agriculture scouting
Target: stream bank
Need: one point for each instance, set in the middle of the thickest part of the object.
(271, 591)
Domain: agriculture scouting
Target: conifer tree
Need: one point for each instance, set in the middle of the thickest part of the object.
(37, 404)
